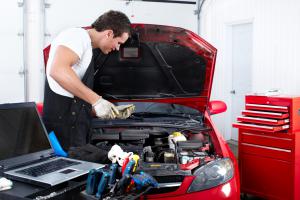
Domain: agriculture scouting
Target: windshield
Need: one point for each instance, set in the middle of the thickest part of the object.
(167, 108)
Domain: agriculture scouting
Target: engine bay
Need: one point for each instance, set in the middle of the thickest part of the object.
(163, 152)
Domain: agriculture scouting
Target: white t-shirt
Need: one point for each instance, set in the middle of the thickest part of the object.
(79, 41)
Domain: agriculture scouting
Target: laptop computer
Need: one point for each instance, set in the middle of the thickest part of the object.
(26, 153)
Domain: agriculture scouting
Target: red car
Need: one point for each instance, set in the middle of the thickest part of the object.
(167, 73)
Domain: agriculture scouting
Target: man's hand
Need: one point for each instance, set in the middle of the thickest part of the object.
(104, 109)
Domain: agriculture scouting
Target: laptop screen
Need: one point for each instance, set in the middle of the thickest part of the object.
(21, 130)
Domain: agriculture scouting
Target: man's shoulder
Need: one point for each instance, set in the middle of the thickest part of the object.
(73, 36)
(74, 31)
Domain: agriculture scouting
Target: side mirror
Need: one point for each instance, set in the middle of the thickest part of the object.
(216, 107)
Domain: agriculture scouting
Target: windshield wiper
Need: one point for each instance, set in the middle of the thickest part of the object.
(158, 114)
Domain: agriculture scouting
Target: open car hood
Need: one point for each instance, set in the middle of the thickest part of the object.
(158, 64)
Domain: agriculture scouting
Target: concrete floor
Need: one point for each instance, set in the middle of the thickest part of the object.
(234, 148)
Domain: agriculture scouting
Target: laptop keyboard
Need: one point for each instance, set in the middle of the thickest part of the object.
(48, 167)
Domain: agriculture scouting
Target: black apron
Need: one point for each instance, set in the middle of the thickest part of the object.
(69, 118)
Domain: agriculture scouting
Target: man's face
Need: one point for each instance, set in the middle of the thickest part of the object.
(111, 43)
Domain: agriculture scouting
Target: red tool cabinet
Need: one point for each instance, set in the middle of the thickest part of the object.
(269, 147)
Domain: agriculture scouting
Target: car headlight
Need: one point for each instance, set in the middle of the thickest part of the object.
(214, 173)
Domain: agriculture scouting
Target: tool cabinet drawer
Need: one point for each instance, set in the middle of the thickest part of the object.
(264, 107)
(273, 115)
(265, 140)
(266, 177)
(263, 121)
(258, 127)
(266, 151)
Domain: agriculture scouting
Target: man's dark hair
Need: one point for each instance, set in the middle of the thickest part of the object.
(117, 21)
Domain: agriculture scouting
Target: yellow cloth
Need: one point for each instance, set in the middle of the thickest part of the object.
(124, 111)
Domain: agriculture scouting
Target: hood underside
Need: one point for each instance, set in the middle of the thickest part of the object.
(158, 63)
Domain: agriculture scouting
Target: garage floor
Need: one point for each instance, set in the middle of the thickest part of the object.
(234, 148)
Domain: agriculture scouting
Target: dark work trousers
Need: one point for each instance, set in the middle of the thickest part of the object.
(69, 118)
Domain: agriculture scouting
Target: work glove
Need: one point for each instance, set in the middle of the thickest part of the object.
(104, 109)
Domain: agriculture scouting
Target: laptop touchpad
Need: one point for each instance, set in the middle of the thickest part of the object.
(67, 171)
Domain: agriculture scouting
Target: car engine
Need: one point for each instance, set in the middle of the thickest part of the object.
(165, 153)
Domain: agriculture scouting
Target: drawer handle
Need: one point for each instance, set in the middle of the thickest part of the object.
(265, 147)
(265, 136)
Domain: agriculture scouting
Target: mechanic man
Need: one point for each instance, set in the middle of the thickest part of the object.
(69, 98)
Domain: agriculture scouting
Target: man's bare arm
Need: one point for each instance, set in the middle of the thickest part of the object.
(64, 75)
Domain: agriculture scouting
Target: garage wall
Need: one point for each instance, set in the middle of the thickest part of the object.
(276, 47)
(11, 52)
(70, 13)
